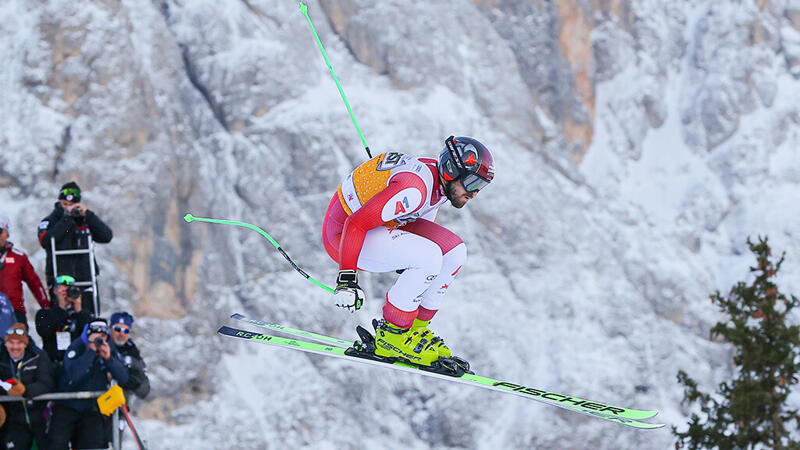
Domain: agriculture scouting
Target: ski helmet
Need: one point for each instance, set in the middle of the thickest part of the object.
(468, 160)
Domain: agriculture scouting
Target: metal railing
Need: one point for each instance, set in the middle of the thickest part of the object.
(115, 433)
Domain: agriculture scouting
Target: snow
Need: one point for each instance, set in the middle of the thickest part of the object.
(585, 276)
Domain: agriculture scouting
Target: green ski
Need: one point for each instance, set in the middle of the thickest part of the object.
(624, 416)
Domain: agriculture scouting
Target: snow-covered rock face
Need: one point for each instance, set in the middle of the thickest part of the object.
(637, 145)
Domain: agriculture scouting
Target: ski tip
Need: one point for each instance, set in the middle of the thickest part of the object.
(188, 217)
(237, 316)
(303, 8)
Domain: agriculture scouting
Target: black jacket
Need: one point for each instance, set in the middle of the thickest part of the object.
(85, 370)
(71, 233)
(50, 321)
(138, 383)
(36, 372)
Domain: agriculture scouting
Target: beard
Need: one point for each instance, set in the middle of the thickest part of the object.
(455, 200)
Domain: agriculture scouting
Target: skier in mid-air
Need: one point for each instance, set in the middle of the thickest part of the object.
(381, 219)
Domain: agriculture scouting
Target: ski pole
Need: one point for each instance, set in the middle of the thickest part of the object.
(190, 218)
(304, 10)
(139, 442)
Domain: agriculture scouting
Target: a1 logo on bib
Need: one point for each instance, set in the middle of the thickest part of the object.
(402, 203)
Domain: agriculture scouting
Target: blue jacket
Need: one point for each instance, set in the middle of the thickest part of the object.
(85, 370)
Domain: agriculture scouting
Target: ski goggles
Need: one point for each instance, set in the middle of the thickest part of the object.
(71, 193)
(65, 279)
(17, 331)
(119, 329)
(98, 328)
(473, 182)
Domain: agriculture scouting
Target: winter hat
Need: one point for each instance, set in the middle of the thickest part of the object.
(70, 192)
(5, 222)
(17, 331)
(123, 318)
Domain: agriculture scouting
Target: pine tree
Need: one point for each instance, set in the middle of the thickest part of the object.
(750, 411)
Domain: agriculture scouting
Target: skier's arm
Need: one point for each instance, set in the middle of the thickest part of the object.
(34, 283)
(101, 233)
(390, 203)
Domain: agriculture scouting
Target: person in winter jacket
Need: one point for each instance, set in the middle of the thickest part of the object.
(64, 322)
(121, 328)
(16, 268)
(89, 363)
(25, 371)
(70, 224)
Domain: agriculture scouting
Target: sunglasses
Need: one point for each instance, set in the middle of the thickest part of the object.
(119, 329)
(17, 331)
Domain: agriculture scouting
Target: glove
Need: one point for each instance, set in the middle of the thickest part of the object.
(348, 294)
(13, 387)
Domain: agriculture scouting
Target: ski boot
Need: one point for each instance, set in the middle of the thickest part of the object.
(415, 346)
(438, 343)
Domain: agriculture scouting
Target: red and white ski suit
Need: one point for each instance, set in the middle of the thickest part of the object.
(381, 219)
(16, 269)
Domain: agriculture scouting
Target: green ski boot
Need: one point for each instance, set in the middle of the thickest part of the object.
(436, 341)
(412, 345)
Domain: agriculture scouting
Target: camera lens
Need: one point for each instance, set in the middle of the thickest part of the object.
(73, 292)
(98, 341)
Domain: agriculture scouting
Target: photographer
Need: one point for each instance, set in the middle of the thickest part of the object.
(64, 321)
(89, 363)
(70, 224)
(27, 372)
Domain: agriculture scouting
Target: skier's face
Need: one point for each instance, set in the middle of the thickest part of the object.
(3, 237)
(457, 195)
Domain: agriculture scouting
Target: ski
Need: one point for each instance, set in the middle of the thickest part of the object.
(603, 411)
(294, 331)
(628, 413)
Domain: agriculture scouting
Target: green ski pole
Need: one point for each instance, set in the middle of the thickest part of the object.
(190, 218)
(304, 10)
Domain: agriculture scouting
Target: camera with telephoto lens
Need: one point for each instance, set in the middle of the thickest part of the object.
(73, 292)
(75, 212)
(98, 342)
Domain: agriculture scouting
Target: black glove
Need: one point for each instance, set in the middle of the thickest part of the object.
(348, 293)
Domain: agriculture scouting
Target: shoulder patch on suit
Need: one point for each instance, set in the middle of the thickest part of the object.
(71, 354)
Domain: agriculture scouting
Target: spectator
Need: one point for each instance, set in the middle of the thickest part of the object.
(64, 322)
(14, 269)
(28, 372)
(70, 224)
(7, 317)
(121, 328)
(89, 363)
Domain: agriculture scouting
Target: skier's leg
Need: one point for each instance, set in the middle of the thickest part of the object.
(454, 256)
(386, 250)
